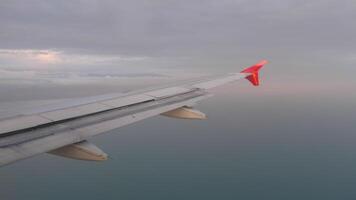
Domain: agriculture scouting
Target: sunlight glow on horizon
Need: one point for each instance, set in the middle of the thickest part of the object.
(48, 57)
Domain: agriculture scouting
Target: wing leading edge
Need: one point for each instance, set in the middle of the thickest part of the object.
(65, 131)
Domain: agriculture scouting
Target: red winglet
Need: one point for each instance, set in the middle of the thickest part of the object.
(253, 71)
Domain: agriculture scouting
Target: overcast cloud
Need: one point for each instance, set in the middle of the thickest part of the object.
(299, 37)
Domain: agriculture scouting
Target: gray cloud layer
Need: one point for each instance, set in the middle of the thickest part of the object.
(159, 27)
(205, 34)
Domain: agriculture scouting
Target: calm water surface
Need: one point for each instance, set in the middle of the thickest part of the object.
(256, 144)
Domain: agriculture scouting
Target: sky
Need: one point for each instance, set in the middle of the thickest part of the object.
(291, 138)
(300, 38)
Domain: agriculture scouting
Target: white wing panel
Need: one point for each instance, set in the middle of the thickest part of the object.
(74, 111)
(21, 122)
(27, 121)
(167, 92)
(220, 81)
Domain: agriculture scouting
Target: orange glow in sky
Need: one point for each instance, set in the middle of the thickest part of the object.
(47, 57)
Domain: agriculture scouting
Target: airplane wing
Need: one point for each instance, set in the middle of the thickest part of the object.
(66, 131)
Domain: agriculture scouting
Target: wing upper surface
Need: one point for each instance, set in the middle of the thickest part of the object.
(37, 119)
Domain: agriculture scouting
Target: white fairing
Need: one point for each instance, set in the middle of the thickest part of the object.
(81, 151)
(185, 113)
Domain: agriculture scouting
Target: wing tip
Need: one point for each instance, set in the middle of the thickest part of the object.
(253, 72)
(255, 68)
